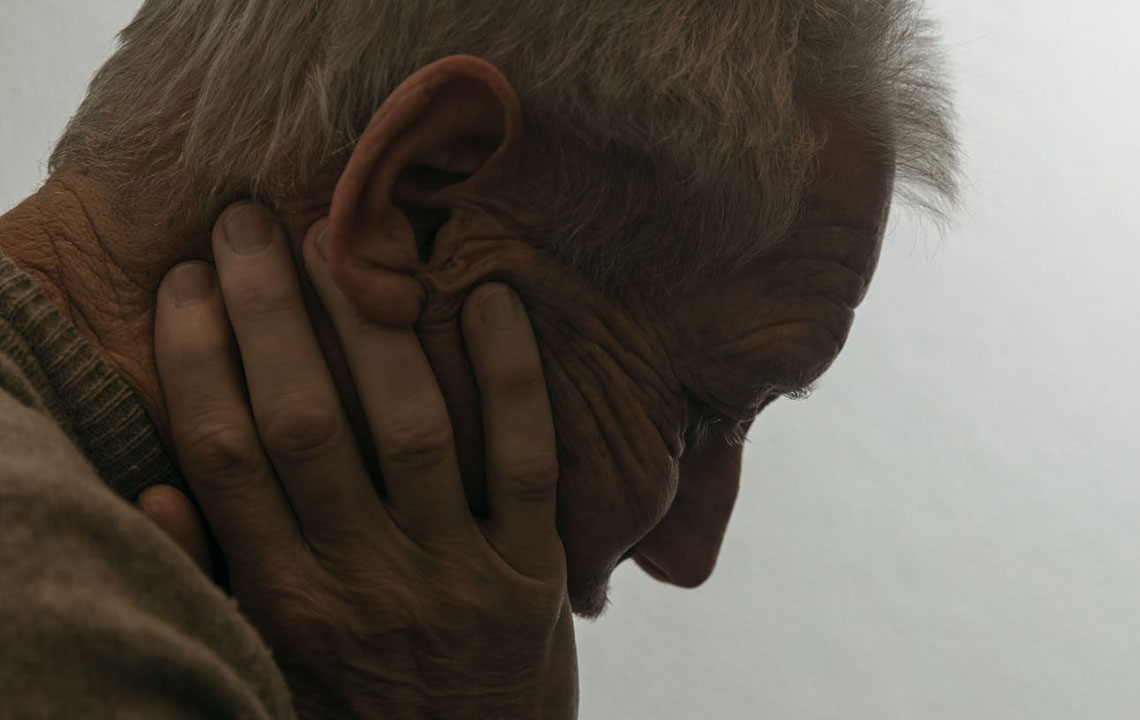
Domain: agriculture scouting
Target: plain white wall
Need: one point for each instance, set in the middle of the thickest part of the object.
(948, 528)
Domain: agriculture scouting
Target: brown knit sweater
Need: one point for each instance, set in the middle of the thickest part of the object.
(101, 615)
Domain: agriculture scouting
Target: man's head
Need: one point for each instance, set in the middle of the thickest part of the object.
(688, 196)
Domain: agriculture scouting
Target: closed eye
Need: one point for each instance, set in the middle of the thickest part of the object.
(707, 420)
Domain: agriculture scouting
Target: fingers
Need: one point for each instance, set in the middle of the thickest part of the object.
(298, 414)
(176, 515)
(406, 413)
(522, 459)
(214, 436)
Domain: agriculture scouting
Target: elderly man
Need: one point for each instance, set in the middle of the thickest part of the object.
(687, 197)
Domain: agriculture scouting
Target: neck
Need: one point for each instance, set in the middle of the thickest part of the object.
(100, 272)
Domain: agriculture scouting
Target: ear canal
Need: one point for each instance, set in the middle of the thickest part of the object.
(417, 192)
(425, 222)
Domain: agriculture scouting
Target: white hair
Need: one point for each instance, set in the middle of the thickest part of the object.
(660, 134)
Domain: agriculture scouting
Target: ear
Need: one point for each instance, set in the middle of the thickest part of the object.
(449, 134)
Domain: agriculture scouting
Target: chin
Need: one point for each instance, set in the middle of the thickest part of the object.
(589, 594)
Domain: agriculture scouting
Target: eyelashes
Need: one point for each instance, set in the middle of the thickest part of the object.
(707, 421)
(735, 434)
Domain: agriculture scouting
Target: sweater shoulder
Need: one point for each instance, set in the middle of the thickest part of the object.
(102, 614)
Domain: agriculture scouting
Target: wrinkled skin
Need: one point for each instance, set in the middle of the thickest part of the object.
(627, 383)
(623, 379)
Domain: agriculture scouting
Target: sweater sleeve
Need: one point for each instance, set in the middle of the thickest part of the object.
(101, 615)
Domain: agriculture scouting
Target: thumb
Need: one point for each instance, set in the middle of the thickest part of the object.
(173, 512)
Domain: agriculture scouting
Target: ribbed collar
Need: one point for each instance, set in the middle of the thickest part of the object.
(89, 400)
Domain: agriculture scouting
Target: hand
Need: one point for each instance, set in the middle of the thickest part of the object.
(401, 609)
(175, 513)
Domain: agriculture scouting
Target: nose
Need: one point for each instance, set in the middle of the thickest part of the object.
(683, 548)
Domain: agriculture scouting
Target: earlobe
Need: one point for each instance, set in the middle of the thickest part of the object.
(450, 133)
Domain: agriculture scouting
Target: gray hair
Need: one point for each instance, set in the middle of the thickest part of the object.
(660, 134)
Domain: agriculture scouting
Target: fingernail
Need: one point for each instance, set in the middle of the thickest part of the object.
(191, 283)
(498, 308)
(248, 230)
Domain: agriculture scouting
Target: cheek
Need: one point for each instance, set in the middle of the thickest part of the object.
(618, 470)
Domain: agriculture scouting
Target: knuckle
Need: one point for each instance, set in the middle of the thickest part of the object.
(262, 299)
(416, 438)
(290, 602)
(299, 429)
(180, 350)
(517, 380)
(297, 615)
(218, 451)
(534, 477)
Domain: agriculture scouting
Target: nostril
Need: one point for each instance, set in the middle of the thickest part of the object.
(650, 569)
(685, 572)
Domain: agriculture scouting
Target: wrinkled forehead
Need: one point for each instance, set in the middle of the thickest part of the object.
(777, 324)
(853, 180)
